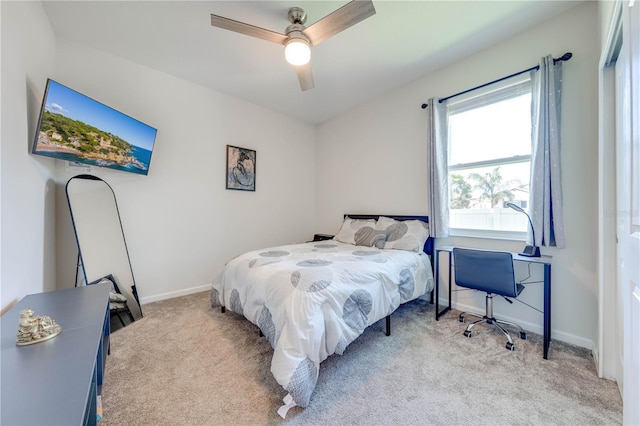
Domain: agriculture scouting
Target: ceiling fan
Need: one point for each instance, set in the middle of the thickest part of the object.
(297, 38)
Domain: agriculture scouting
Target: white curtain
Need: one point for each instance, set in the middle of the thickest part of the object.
(545, 196)
(437, 162)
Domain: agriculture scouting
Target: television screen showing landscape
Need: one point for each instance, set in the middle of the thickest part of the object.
(76, 128)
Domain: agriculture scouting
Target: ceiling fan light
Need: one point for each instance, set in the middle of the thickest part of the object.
(297, 51)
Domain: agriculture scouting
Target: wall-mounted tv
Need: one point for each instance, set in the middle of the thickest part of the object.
(74, 127)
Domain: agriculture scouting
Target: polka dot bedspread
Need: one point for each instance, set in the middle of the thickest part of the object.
(311, 300)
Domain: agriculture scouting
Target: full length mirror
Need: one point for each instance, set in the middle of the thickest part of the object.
(102, 249)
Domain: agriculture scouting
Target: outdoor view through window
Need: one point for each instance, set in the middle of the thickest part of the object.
(489, 161)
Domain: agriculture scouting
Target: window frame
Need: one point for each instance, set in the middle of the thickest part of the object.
(498, 92)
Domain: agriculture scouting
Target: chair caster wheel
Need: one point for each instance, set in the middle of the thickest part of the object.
(461, 318)
(467, 333)
(511, 346)
(523, 335)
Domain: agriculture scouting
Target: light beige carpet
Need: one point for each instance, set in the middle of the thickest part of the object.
(185, 363)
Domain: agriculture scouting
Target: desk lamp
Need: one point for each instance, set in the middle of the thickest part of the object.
(529, 251)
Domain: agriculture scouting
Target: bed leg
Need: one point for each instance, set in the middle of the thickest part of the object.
(388, 331)
(222, 309)
(431, 299)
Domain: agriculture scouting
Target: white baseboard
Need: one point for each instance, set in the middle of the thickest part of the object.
(529, 326)
(172, 294)
(536, 328)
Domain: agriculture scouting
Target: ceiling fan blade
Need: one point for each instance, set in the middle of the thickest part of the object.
(305, 77)
(250, 30)
(339, 20)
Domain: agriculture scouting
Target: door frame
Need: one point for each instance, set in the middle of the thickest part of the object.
(607, 354)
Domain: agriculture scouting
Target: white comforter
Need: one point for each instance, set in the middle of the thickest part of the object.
(311, 300)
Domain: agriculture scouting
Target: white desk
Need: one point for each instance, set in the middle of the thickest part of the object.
(545, 261)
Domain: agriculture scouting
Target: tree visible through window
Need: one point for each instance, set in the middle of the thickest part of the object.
(493, 189)
(461, 192)
(489, 159)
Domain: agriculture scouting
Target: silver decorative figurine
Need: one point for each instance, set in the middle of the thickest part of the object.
(35, 328)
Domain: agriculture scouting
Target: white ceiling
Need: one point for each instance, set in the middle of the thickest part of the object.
(403, 41)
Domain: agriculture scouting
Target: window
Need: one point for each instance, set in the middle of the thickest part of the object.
(489, 133)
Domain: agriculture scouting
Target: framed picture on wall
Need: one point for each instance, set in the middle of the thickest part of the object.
(241, 168)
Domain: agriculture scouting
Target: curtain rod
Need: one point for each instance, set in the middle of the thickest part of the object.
(564, 57)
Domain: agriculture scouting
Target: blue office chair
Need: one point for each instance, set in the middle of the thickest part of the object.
(491, 272)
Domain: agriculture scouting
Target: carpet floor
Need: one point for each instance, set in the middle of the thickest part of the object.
(186, 363)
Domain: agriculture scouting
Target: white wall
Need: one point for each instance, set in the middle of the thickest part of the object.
(27, 188)
(606, 9)
(180, 222)
(376, 156)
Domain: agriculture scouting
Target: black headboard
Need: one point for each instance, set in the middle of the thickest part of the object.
(428, 245)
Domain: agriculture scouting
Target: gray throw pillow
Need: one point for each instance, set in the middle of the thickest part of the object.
(370, 237)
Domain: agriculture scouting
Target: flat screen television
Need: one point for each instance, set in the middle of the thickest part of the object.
(74, 127)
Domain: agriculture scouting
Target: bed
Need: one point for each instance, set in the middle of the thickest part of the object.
(312, 300)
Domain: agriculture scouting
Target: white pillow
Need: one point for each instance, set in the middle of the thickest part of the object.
(404, 235)
(349, 228)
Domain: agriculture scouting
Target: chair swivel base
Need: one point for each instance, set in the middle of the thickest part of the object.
(496, 323)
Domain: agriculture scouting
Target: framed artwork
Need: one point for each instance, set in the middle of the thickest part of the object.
(241, 168)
